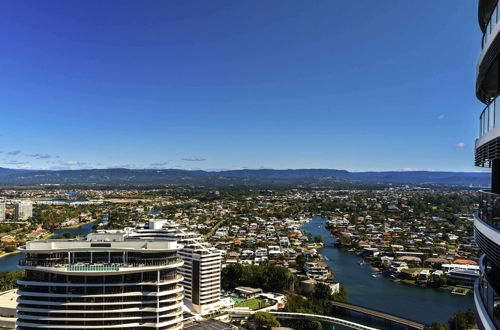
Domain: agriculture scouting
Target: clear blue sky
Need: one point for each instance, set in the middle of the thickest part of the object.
(356, 85)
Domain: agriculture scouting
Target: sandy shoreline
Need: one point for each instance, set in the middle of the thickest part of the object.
(9, 253)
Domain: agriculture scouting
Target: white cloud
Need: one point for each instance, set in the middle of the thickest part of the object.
(440, 117)
(120, 165)
(193, 159)
(15, 162)
(13, 153)
(460, 145)
(40, 156)
(72, 163)
(410, 169)
(158, 165)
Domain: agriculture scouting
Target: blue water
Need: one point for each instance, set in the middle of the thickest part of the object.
(155, 212)
(419, 304)
(81, 230)
(9, 263)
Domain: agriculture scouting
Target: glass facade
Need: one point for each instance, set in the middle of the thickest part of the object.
(489, 208)
(489, 118)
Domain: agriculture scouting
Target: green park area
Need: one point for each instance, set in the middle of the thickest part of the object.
(252, 304)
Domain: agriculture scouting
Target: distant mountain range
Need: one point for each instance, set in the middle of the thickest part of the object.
(121, 176)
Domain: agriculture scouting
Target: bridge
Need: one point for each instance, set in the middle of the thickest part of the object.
(302, 316)
(381, 315)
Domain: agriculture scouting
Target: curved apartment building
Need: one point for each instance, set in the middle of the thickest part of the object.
(105, 281)
(487, 154)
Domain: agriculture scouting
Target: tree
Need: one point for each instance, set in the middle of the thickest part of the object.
(318, 239)
(232, 275)
(341, 296)
(314, 325)
(10, 248)
(322, 291)
(67, 236)
(263, 320)
(458, 321)
(8, 280)
(268, 278)
(345, 241)
(300, 261)
(306, 325)
(436, 326)
(471, 317)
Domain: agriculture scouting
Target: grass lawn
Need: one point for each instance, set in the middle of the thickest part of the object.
(412, 270)
(253, 303)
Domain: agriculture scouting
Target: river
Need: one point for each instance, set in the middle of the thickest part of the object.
(9, 263)
(419, 304)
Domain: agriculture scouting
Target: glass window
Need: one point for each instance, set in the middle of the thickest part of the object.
(481, 125)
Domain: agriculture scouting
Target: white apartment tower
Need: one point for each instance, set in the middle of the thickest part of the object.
(103, 281)
(2, 210)
(23, 210)
(202, 264)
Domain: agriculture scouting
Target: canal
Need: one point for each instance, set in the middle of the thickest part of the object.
(419, 304)
(9, 263)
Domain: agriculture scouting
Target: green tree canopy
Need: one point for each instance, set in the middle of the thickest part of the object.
(322, 291)
(263, 320)
(266, 277)
(436, 326)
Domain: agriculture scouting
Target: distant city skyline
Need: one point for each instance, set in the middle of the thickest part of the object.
(233, 85)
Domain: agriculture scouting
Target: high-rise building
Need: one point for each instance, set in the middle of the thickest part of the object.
(23, 210)
(2, 210)
(487, 154)
(202, 264)
(103, 281)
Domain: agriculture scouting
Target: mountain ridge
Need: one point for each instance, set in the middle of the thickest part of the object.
(241, 176)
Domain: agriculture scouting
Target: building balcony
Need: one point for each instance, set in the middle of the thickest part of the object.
(487, 225)
(489, 118)
(21, 323)
(109, 296)
(486, 296)
(487, 147)
(164, 281)
(65, 266)
(490, 26)
(93, 309)
(487, 74)
(489, 208)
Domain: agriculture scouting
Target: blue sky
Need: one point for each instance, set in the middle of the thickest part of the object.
(356, 85)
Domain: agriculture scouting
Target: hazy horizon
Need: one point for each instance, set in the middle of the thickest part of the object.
(243, 168)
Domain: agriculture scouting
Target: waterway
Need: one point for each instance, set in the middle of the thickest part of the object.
(9, 263)
(423, 305)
